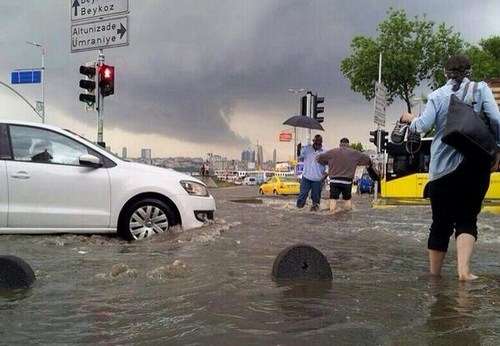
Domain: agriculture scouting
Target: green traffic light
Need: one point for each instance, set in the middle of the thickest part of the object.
(88, 99)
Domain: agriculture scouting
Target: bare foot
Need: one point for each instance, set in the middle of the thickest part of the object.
(467, 277)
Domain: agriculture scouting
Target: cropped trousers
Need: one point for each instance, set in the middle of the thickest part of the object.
(456, 201)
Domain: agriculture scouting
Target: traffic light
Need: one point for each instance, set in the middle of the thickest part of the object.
(89, 83)
(317, 107)
(374, 137)
(106, 80)
(383, 140)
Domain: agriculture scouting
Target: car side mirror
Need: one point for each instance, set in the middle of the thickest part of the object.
(90, 160)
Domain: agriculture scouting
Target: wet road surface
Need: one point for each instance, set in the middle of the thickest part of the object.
(213, 286)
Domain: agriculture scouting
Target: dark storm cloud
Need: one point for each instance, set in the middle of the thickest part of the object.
(192, 65)
(291, 43)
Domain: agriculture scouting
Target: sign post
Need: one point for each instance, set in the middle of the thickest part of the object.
(82, 9)
(99, 34)
(99, 24)
(26, 76)
(380, 104)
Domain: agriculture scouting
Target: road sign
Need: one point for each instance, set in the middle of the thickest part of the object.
(88, 9)
(380, 104)
(99, 34)
(26, 77)
(285, 136)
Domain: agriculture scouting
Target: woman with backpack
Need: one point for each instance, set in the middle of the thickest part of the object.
(454, 209)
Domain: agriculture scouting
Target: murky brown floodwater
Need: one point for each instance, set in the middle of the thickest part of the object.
(213, 286)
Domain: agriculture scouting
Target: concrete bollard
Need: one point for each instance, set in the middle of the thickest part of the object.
(15, 273)
(301, 262)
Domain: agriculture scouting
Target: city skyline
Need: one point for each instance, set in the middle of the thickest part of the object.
(214, 76)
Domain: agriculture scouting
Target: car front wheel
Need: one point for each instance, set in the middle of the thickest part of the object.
(261, 192)
(146, 218)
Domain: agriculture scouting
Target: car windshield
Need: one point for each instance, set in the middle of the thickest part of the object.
(89, 141)
(288, 179)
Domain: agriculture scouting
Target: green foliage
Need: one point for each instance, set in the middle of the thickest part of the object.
(412, 51)
(357, 146)
(485, 59)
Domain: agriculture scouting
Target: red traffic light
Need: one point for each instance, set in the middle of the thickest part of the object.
(107, 80)
(107, 72)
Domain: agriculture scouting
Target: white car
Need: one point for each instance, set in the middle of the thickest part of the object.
(251, 181)
(54, 181)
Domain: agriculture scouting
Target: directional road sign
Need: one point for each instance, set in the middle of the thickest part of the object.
(26, 77)
(99, 34)
(88, 9)
(380, 104)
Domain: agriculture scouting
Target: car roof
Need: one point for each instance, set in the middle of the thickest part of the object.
(23, 122)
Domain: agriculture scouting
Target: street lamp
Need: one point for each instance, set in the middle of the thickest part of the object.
(296, 91)
(40, 105)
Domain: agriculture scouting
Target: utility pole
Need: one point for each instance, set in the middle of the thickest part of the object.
(40, 105)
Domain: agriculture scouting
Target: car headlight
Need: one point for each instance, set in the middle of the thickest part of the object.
(193, 188)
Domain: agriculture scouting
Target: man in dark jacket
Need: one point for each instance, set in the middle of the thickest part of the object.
(342, 163)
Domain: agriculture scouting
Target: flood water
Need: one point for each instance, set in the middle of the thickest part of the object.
(213, 286)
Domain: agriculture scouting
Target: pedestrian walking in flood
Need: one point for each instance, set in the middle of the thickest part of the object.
(342, 163)
(314, 174)
(457, 184)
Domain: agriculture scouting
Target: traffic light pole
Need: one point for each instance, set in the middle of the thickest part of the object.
(379, 140)
(100, 104)
(309, 114)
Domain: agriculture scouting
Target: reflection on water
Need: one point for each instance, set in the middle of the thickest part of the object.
(213, 286)
(458, 314)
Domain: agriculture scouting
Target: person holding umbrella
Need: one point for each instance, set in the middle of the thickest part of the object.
(313, 175)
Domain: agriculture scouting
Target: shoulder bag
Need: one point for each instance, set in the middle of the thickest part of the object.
(467, 131)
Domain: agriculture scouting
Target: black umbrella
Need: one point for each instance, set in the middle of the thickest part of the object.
(304, 121)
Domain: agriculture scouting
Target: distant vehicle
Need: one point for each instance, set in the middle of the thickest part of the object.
(365, 184)
(54, 181)
(280, 186)
(299, 169)
(249, 181)
(406, 174)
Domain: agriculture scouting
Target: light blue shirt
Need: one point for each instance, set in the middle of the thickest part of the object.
(313, 170)
(444, 158)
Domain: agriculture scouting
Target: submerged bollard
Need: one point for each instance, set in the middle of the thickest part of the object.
(15, 273)
(301, 262)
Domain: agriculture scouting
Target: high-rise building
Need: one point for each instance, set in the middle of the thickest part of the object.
(260, 156)
(274, 156)
(248, 156)
(124, 153)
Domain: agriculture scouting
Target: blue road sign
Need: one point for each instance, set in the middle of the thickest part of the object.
(26, 77)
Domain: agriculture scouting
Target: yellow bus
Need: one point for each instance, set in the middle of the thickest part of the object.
(405, 174)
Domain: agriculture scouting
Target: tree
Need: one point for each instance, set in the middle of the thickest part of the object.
(412, 51)
(485, 59)
(357, 146)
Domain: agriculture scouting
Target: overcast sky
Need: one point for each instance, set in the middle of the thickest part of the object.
(204, 76)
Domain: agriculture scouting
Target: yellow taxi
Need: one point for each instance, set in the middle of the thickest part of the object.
(280, 186)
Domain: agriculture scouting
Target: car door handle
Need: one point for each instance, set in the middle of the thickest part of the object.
(21, 175)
